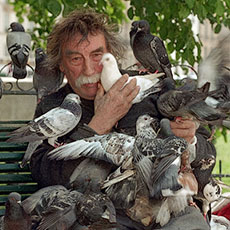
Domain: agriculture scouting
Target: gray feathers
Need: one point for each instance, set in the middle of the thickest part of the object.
(148, 49)
(18, 44)
(57, 206)
(45, 80)
(51, 125)
(15, 215)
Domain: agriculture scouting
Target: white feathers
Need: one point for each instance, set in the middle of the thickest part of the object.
(110, 74)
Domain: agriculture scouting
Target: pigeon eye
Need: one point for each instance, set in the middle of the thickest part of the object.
(107, 59)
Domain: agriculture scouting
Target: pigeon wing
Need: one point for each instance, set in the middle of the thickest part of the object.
(110, 147)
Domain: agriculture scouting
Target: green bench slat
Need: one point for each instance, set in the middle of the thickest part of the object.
(13, 168)
(4, 146)
(13, 122)
(23, 189)
(16, 178)
(12, 177)
(11, 156)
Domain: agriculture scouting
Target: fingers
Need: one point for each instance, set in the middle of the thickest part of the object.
(120, 83)
(129, 90)
(100, 92)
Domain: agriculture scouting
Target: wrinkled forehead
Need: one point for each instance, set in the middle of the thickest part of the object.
(81, 42)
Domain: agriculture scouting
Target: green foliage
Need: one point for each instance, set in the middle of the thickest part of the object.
(169, 19)
(43, 13)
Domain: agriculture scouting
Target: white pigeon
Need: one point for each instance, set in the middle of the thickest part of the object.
(110, 74)
(55, 123)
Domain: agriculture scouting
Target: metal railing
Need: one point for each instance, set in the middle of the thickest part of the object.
(16, 89)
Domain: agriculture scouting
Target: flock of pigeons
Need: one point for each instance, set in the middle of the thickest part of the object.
(153, 179)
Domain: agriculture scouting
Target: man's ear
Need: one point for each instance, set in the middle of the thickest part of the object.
(61, 68)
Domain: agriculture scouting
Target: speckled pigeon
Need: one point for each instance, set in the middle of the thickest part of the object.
(15, 216)
(18, 45)
(211, 192)
(148, 49)
(51, 125)
(112, 147)
(149, 84)
(45, 80)
(60, 207)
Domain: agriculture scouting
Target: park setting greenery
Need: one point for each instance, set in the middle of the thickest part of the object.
(169, 19)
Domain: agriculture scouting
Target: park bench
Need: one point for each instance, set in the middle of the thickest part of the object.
(12, 177)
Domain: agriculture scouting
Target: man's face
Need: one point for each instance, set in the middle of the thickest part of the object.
(80, 63)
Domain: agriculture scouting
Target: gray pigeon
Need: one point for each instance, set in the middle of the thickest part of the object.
(191, 104)
(51, 125)
(57, 206)
(215, 68)
(148, 49)
(149, 84)
(15, 216)
(112, 147)
(166, 173)
(18, 45)
(45, 81)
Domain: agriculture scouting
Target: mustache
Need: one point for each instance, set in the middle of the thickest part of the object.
(82, 79)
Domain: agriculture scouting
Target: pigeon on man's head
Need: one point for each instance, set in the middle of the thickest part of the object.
(149, 84)
(57, 206)
(15, 216)
(55, 123)
(45, 80)
(18, 45)
(148, 49)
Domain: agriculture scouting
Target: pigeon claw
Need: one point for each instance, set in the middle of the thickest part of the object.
(56, 145)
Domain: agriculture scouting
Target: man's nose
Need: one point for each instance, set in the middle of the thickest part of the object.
(88, 68)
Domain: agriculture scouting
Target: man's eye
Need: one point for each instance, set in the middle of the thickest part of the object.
(97, 56)
(76, 60)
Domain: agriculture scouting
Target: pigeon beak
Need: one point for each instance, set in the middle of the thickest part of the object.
(19, 201)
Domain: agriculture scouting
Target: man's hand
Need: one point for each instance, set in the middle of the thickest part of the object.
(110, 107)
(184, 128)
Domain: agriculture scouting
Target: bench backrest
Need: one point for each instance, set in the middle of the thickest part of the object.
(12, 177)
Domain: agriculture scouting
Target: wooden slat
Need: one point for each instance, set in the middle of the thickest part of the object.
(12, 177)
(22, 189)
(4, 146)
(11, 156)
(16, 178)
(13, 168)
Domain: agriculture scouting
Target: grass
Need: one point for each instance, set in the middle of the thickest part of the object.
(223, 151)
